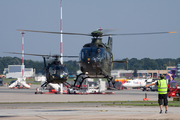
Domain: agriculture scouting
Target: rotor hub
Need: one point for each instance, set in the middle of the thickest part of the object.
(96, 34)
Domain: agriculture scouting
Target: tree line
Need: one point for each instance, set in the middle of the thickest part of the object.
(148, 64)
(73, 66)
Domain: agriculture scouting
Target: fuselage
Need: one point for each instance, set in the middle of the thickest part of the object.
(135, 83)
(56, 73)
(95, 60)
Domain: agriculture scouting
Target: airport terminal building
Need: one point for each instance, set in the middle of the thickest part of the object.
(143, 73)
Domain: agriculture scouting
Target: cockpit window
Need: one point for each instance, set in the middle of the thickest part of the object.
(51, 70)
(58, 70)
(92, 53)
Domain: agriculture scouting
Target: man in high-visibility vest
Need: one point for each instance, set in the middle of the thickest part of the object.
(162, 91)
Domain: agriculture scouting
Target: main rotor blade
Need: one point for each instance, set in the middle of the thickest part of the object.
(101, 35)
(54, 32)
(140, 33)
(62, 56)
(40, 55)
(28, 54)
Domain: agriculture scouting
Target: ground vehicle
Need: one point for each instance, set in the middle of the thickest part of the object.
(2, 76)
(1, 82)
(154, 88)
(173, 90)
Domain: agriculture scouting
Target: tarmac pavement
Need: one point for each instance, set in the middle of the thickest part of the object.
(80, 111)
(28, 95)
(88, 113)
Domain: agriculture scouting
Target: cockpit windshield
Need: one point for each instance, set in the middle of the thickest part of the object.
(96, 54)
(58, 70)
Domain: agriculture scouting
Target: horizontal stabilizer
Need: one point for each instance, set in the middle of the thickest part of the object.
(122, 62)
(119, 61)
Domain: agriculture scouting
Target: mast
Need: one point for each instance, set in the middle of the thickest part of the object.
(22, 54)
(61, 44)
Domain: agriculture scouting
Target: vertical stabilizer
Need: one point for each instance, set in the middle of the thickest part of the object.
(110, 42)
(172, 73)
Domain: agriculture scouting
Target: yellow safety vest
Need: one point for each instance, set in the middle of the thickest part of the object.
(162, 86)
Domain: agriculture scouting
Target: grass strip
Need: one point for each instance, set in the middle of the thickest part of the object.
(144, 103)
(105, 102)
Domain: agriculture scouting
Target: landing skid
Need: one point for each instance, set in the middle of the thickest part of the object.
(42, 88)
(68, 85)
(82, 78)
(110, 80)
(82, 75)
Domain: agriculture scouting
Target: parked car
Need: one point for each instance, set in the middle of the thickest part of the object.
(1, 82)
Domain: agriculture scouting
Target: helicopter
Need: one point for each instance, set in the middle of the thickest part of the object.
(96, 58)
(55, 71)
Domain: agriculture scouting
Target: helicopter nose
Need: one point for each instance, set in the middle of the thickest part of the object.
(61, 76)
(96, 59)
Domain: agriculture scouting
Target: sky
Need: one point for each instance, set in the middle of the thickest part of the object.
(85, 16)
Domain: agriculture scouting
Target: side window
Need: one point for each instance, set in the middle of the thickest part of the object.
(82, 54)
(51, 71)
(65, 70)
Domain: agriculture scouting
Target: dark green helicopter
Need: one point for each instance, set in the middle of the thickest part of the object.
(96, 58)
(55, 71)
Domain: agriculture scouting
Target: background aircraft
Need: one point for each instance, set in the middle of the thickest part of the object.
(137, 83)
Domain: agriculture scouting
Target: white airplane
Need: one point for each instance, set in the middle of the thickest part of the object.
(137, 83)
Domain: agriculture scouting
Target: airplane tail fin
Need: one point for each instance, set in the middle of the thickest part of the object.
(172, 73)
(110, 42)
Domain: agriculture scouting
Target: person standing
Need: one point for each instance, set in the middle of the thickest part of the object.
(162, 91)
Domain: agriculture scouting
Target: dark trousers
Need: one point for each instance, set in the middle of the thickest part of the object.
(164, 98)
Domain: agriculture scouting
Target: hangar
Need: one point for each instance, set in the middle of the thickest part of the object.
(15, 71)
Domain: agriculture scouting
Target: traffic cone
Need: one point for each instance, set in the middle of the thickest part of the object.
(145, 99)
